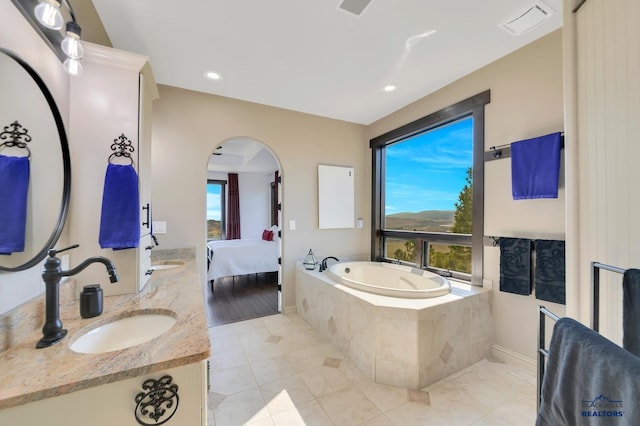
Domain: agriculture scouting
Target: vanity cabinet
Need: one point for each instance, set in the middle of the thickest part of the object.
(115, 403)
(113, 96)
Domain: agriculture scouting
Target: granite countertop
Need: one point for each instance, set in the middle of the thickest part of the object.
(30, 374)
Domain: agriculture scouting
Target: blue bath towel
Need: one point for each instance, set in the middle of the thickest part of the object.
(550, 271)
(589, 380)
(535, 167)
(515, 265)
(631, 311)
(120, 218)
(14, 188)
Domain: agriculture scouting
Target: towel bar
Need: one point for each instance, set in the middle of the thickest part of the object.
(595, 319)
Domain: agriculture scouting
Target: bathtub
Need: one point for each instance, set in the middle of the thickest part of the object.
(396, 339)
(389, 279)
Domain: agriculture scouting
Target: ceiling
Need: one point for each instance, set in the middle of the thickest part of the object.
(314, 57)
(242, 155)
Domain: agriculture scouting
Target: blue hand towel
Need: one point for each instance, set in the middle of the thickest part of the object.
(589, 380)
(631, 311)
(120, 218)
(515, 265)
(14, 187)
(550, 271)
(535, 167)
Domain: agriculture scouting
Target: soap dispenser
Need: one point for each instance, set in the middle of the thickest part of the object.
(310, 261)
(91, 301)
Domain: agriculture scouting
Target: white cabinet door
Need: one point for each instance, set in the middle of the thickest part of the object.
(116, 404)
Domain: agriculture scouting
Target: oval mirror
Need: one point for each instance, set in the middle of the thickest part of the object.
(27, 108)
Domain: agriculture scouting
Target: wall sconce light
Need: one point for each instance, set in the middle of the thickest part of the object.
(47, 19)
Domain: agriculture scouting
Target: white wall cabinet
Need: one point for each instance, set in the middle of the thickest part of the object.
(115, 403)
(112, 97)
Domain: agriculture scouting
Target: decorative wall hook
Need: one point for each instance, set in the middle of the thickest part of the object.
(158, 402)
(122, 147)
(15, 136)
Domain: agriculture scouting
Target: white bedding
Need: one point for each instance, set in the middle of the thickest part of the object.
(241, 257)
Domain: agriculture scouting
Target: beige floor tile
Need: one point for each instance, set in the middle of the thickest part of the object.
(286, 394)
(296, 389)
(381, 420)
(241, 408)
(232, 381)
(310, 413)
(348, 406)
(383, 396)
(261, 350)
(227, 360)
(272, 369)
(324, 380)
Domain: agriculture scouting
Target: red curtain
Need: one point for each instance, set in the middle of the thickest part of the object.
(233, 210)
(275, 197)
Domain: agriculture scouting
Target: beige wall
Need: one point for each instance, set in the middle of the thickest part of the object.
(526, 101)
(187, 126)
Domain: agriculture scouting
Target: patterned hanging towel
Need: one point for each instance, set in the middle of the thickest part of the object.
(515, 265)
(120, 218)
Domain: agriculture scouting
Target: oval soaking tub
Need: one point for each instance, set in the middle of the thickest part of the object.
(389, 279)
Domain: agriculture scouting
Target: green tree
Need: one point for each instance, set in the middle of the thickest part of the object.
(457, 258)
(409, 252)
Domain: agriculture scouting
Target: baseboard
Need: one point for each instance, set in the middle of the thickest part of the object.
(510, 357)
(288, 310)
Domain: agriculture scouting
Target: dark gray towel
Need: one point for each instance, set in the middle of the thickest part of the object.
(631, 311)
(515, 265)
(550, 271)
(589, 380)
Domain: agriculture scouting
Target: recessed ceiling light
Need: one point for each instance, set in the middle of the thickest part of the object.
(212, 75)
(389, 88)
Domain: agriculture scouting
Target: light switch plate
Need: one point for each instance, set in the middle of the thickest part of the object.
(159, 227)
(292, 225)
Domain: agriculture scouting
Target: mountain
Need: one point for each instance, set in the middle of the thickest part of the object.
(428, 220)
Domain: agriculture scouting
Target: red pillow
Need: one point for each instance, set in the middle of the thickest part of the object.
(267, 235)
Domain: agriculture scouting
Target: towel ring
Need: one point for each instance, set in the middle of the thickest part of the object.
(121, 147)
(18, 136)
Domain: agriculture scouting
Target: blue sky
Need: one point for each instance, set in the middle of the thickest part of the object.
(427, 171)
(213, 202)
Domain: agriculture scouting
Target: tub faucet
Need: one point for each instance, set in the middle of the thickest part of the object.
(52, 331)
(323, 264)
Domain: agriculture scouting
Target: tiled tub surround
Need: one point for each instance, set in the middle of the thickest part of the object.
(30, 374)
(408, 343)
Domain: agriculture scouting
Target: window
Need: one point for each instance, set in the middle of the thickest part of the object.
(216, 210)
(428, 193)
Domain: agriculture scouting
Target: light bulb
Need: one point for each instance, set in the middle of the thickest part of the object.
(71, 44)
(72, 66)
(47, 12)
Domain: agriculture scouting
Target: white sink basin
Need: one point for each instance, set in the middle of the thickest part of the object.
(124, 332)
(166, 265)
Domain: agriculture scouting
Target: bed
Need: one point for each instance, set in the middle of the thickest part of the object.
(241, 257)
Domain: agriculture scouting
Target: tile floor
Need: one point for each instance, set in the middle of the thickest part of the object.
(277, 370)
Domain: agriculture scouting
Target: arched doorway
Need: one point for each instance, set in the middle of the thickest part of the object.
(243, 231)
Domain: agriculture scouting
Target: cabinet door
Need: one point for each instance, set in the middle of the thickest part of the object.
(115, 403)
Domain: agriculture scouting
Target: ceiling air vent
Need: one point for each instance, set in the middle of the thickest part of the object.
(354, 6)
(528, 19)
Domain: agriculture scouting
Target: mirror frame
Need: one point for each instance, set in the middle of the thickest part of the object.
(66, 166)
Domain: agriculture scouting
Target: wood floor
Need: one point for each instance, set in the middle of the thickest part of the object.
(242, 298)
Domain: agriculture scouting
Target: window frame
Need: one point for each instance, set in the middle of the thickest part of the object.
(223, 206)
(474, 107)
